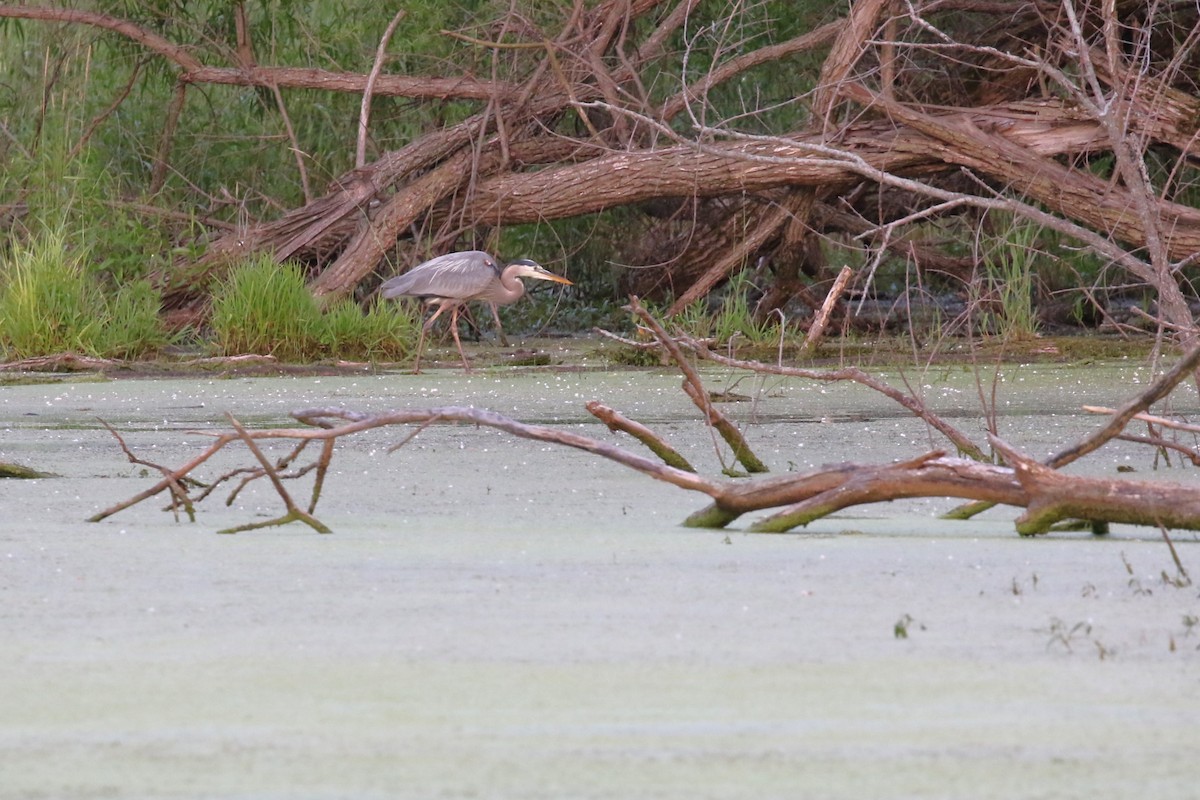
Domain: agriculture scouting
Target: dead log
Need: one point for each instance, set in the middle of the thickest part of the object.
(930, 475)
(1053, 497)
(9, 469)
(803, 160)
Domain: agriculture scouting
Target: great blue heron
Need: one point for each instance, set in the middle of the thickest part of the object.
(455, 279)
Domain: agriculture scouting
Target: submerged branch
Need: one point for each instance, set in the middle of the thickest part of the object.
(1048, 495)
(1054, 497)
(1121, 417)
(619, 422)
(694, 388)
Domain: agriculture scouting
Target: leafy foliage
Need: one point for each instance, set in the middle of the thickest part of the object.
(50, 304)
(1009, 264)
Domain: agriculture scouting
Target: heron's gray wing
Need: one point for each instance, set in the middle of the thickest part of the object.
(454, 276)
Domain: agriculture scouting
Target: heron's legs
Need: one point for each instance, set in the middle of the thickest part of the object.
(499, 327)
(455, 308)
(454, 331)
(425, 330)
(469, 315)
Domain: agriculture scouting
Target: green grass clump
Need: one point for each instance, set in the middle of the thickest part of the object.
(132, 328)
(733, 321)
(49, 304)
(1010, 266)
(385, 332)
(265, 307)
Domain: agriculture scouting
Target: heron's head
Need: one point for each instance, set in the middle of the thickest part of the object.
(524, 268)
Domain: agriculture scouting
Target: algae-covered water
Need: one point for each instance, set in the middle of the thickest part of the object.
(500, 618)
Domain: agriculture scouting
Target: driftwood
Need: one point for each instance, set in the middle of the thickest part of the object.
(1186, 366)
(8, 469)
(1054, 497)
(1047, 495)
(59, 362)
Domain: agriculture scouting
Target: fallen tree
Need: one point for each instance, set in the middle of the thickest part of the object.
(1049, 496)
(1080, 117)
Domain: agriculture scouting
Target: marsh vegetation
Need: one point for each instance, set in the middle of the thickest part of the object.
(987, 173)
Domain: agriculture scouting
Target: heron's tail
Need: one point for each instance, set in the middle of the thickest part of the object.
(395, 287)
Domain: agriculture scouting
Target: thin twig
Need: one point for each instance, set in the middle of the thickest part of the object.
(419, 429)
(295, 148)
(1185, 579)
(493, 45)
(1151, 418)
(165, 483)
(99, 119)
(179, 495)
(1158, 390)
(1163, 444)
(625, 340)
(322, 468)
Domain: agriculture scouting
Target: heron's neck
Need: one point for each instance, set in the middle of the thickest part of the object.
(513, 288)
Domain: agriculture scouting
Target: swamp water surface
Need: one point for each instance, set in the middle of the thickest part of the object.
(495, 617)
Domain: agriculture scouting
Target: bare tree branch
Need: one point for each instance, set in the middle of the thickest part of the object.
(364, 114)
